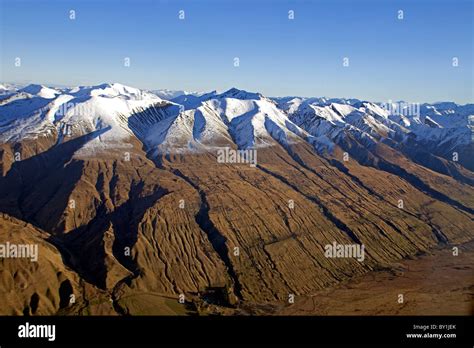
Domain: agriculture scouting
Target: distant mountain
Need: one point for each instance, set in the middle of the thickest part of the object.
(444, 128)
(40, 91)
(7, 88)
(168, 94)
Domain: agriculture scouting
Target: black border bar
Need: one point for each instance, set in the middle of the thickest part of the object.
(141, 330)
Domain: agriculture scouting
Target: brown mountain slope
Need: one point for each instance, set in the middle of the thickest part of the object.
(185, 224)
(33, 287)
(283, 252)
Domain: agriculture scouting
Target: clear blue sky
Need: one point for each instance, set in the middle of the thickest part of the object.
(409, 59)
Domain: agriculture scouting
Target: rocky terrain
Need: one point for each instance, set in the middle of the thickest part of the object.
(134, 213)
(446, 289)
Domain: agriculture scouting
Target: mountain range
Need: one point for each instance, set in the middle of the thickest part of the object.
(133, 213)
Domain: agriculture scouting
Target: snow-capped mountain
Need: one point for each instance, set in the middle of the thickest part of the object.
(40, 91)
(37, 111)
(200, 122)
(234, 118)
(169, 94)
(190, 101)
(7, 89)
(443, 125)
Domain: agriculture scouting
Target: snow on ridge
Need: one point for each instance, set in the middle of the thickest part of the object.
(233, 118)
(169, 94)
(74, 112)
(41, 91)
(111, 90)
(246, 119)
(240, 94)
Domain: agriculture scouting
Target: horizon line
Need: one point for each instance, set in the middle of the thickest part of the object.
(221, 91)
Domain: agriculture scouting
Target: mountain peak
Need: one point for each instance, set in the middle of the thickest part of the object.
(112, 90)
(40, 90)
(240, 94)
